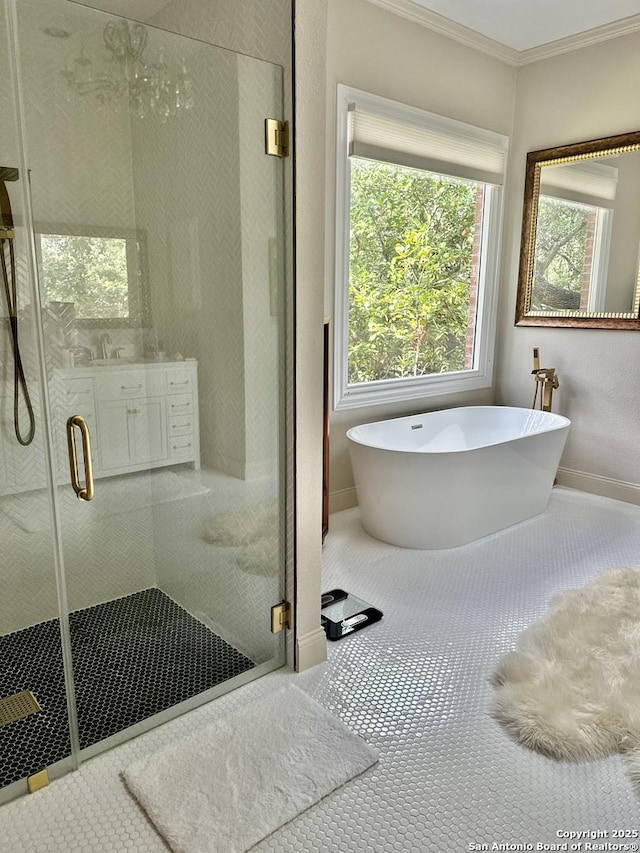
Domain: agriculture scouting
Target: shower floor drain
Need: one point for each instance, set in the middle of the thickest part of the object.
(13, 708)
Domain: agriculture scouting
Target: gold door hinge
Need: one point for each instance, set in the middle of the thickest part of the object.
(280, 617)
(276, 136)
(38, 781)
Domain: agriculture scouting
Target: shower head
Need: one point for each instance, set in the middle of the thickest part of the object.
(9, 173)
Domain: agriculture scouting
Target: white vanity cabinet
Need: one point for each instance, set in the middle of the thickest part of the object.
(182, 414)
(132, 419)
(139, 415)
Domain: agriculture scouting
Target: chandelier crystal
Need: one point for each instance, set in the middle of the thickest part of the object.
(151, 86)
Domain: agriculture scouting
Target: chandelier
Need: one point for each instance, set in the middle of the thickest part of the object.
(151, 86)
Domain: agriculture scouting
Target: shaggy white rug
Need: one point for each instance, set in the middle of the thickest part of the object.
(571, 688)
(253, 533)
(228, 786)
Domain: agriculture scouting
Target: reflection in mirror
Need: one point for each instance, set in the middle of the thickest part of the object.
(580, 253)
(100, 271)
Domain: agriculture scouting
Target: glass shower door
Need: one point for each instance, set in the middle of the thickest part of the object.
(34, 724)
(158, 237)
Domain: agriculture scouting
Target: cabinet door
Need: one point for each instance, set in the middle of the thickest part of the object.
(148, 428)
(132, 432)
(117, 448)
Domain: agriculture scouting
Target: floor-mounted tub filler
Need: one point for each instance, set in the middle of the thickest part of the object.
(445, 478)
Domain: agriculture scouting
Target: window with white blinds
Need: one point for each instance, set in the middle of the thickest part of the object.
(422, 140)
(418, 212)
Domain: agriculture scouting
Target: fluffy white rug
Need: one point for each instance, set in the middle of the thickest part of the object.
(242, 526)
(252, 532)
(228, 786)
(571, 689)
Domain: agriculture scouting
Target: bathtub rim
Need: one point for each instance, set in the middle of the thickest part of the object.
(557, 422)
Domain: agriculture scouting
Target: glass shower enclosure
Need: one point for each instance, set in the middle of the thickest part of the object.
(142, 526)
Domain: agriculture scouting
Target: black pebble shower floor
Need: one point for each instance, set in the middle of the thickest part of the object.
(133, 657)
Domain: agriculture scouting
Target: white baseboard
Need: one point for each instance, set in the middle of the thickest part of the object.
(312, 649)
(343, 499)
(606, 486)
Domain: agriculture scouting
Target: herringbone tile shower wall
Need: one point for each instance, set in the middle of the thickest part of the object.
(215, 237)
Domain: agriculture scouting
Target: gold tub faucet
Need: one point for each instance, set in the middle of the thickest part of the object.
(545, 377)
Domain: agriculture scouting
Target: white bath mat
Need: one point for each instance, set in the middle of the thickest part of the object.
(571, 689)
(226, 787)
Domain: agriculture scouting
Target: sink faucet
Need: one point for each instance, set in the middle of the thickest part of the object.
(104, 340)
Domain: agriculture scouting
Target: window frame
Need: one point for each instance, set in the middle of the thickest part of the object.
(602, 242)
(353, 395)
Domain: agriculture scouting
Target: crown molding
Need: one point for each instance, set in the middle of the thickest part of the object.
(439, 24)
(624, 27)
(416, 13)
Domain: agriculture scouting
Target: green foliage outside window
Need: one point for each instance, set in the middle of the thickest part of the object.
(88, 271)
(560, 253)
(411, 249)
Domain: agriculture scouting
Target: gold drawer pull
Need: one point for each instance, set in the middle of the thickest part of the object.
(181, 446)
(180, 426)
(84, 493)
(130, 387)
(186, 382)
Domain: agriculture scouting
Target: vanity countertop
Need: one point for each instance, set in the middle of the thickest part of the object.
(122, 364)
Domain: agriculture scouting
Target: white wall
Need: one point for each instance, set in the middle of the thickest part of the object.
(310, 110)
(585, 94)
(374, 50)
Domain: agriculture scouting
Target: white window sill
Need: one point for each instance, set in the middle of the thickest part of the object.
(397, 390)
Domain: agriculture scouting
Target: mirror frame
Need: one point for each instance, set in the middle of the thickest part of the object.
(609, 145)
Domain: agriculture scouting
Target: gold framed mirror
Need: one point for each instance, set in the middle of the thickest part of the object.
(580, 245)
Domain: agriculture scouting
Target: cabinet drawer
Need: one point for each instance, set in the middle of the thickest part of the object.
(180, 381)
(181, 447)
(81, 389)
(123, 384)
(181, 425)
(180, 404)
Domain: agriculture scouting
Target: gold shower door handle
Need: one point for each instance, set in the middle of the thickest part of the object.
(84, 493)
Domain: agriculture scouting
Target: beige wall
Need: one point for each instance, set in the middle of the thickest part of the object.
(374, 50)
(582, 95)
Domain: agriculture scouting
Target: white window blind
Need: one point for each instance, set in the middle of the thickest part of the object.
(422, 140)
(584, 182)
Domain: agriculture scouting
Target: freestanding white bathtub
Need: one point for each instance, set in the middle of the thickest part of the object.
(445, 478)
